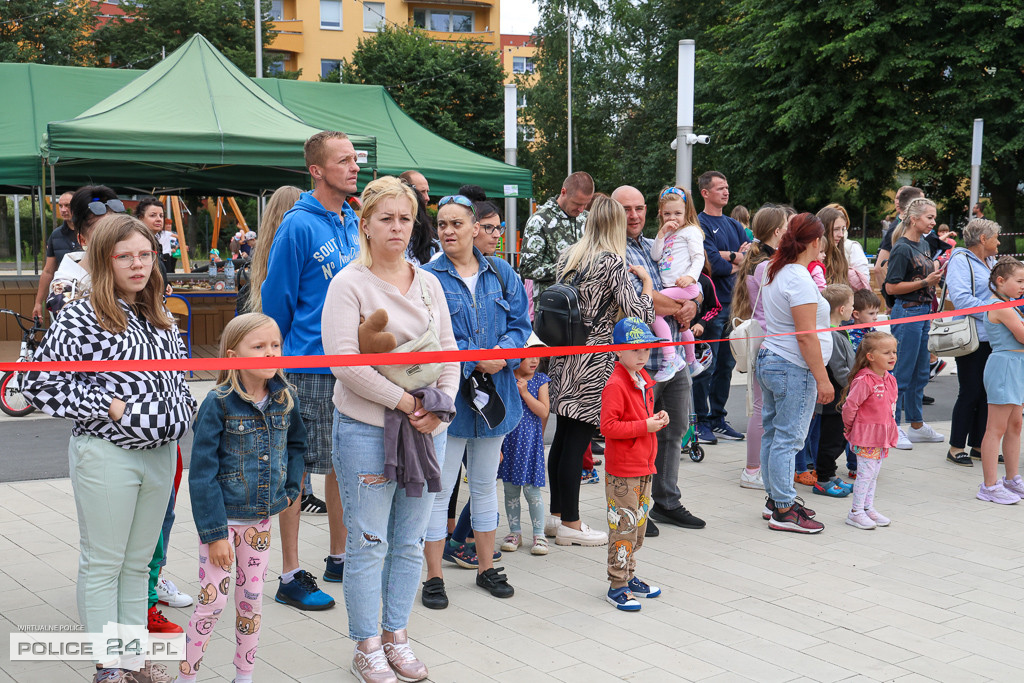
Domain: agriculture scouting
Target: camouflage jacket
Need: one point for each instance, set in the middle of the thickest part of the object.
(547, 235)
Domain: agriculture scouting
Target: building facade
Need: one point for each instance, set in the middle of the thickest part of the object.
(316, 35)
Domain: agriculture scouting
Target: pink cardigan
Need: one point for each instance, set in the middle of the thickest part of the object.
(869, 409)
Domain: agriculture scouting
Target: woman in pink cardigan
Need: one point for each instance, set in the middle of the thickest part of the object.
(868, 416)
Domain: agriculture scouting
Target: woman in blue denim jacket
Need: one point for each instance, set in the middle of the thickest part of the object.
(488, 308)
(967, 274)
(247, 462)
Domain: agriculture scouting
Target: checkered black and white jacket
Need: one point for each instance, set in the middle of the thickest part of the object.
(159, 405)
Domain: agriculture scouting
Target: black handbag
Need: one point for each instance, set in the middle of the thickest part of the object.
(558, 315)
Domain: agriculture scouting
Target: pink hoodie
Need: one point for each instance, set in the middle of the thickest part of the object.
(868, 413)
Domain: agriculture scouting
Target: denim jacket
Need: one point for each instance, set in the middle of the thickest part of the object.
(494, 317)
(247, 463)
(962, 291)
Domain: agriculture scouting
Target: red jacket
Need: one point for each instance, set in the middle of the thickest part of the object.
(629, 449)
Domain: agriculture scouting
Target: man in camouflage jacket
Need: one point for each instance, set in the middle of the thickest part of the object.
(557, 225)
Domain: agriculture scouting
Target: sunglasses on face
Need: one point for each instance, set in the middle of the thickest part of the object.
(100, 208)
(673, 190)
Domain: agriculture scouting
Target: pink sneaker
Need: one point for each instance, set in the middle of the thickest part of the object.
(997, 493)
(877, 517)
(1016, 485)
(860, 520)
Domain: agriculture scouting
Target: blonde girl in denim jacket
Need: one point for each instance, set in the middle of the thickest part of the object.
(247, 463)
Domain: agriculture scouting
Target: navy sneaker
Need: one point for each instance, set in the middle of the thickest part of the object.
(301, 592)
(705, 435)
(335, 571)
(642, 590)
(725, 431)
(462, 554)
(623, 599)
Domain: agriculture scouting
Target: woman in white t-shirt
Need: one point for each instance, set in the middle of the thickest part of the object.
(791, 368)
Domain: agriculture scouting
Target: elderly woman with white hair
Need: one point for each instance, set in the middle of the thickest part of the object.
(967, 277)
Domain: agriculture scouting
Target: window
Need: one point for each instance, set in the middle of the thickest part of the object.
(527, 133)
(329, 65)
(373, 16)
(274, 63)
(330, 14)
(443, 20)
(522, 65)
(521, 100)
(277, 10)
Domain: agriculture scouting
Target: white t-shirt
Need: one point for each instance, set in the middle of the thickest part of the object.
(470, 281)
(679, 254)
(793, 286)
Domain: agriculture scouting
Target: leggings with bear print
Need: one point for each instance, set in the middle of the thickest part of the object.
(251, 543)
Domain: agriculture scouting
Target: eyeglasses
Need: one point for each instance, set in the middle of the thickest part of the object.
(456, 198)
(100, 208)
(673, 190)
(490, 229)
(127, 260)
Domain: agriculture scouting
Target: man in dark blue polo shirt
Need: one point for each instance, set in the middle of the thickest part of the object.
(726, 244)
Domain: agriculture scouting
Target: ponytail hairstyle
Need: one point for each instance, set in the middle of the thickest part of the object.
(1004, 268)
(768, 219)
(915, 208)
(869, 344)
(837, 266)
(803, 229)
(677, 194)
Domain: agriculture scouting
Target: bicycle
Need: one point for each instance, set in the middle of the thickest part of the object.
(12, 401)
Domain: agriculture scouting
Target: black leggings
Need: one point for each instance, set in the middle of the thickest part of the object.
(970, 412)
(565, 463)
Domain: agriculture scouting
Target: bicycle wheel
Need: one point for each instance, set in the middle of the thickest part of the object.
(12, 401)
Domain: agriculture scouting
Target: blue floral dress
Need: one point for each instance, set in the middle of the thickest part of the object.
(523, 447)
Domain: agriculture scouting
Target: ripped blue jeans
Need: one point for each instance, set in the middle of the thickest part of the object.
(384, 552)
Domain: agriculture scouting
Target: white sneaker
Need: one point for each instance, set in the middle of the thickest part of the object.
(551, 524)
(584, 536)
(751, 481)
(924, 434)
(904, 443)
(168, 594)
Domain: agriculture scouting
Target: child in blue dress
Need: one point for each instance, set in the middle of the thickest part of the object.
(522, 465)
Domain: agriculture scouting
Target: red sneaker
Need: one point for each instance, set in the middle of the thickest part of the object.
(158, 623)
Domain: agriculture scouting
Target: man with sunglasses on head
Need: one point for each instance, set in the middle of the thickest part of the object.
(556, 226)
(317, 238)
(61, 241)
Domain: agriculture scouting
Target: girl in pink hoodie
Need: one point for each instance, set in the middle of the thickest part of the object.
(868, 416)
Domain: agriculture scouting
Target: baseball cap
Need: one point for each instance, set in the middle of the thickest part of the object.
(633, 331)
(251, 235)
(481, 393)
(534, 340)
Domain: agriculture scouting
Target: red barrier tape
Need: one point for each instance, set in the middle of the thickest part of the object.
(358, 359)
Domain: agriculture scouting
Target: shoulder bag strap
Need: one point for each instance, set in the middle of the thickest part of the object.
(497, 272)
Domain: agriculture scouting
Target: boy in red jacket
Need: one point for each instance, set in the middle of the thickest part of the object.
(628, 423)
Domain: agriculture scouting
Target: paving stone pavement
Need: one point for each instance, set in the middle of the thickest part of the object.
(936, 596)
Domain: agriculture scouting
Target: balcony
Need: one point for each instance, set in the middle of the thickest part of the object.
(453, 3)
(287, 36)
(457, 36)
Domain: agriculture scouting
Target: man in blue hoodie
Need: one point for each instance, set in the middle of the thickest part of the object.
(317, 238)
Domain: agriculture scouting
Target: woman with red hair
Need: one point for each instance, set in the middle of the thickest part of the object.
(791, 368)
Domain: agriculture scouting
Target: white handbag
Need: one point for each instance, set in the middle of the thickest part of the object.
(746, 337)
(416, 375)
(950, 337)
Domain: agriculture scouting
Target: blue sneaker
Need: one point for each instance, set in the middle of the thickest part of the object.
(301, 592)
(642, 590)
(839, 482)
(623, 599)
(829, 488)
(705, 434)
(462, 554)
(335, 571)
(725, 430)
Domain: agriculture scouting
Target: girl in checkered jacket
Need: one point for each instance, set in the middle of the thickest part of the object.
(127, 420)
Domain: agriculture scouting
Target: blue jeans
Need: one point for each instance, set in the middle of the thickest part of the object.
(807, 457)
(384, 551)
(482, 458)
(789, 392)
(911, 361)
(711, 387)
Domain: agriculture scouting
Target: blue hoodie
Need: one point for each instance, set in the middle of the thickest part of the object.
(309, 249)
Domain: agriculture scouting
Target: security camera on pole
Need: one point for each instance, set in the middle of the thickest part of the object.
(685, 139)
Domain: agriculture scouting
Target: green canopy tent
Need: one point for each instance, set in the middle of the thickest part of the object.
(402, 144)
(192, 121)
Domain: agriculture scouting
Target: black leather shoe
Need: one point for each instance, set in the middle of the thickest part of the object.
(495, 583)
(680, 517)
(652, 530)
(927, 400)
(433, 595)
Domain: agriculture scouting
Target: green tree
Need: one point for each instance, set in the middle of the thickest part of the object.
(454, 90)
(151, 25)
(47, 32)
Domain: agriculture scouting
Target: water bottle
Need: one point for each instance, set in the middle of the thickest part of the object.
(213, 274)
(229, 274)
